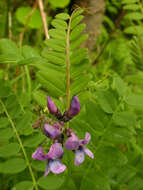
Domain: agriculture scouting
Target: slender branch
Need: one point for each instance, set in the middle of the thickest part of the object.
(25, 26)
(21, 36)
(21, 145)
(43, 16)
(9, 25)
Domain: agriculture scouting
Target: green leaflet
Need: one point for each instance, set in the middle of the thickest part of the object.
(57, 45)
(135, 183)
(95, 180)
(80, 84)
(134, 16)
(125, 174)
(9, 47)
(39, 97)
(54, 57)
(59, 4)
(78, 56)
(29, 52)
(129, 1)
(52, 89)
(54, 182)
(134, 100)
(58, 34)
(33, 140)
(125, 118)
(63, 16)
(10, 149)
(77, 12)
(75, 21)
(114, 157)
(24, 185)
(118, 135)
(59, 24)
(13, 166)
(76, 31)
(24, 124)
(5, 89)
(135, 30)
(100, 121)
(133, 7)
(78, 41)
(4, 122)
(35, 19)
(6, 134)
(119, 85)
(107, 101)
(38, 166)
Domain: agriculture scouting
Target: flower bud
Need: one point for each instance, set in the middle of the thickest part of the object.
(74, 107)
(51, 106)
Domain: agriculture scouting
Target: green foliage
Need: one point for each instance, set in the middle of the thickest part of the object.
(54, 182)
(59, 4)
(110, 93)
(35, 21)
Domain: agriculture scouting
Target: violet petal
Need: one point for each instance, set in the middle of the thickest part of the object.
(47, 170)
(74, 107)
(39, 155)
(51, 106)
(56, 166)
(88, 152)
(79, 157)
(72, 143)
(51, 131)
(56, 151)
(86, 140)
(87, 136)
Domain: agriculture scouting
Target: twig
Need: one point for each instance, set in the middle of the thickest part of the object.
(43, 16)
(25, 26)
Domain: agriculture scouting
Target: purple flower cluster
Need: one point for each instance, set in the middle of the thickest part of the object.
(57, 132)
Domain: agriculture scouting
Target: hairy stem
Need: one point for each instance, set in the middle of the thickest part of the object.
(21, 145)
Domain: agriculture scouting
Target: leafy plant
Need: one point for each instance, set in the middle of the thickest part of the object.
(108, 84)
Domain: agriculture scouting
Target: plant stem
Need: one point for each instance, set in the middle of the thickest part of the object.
(43, 16)
(68, 66)
(25, 26)
(21, 145)
(28, 79)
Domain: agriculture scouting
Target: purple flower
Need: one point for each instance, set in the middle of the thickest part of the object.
(74, 107)
(51, 106)
(52, 131)
(78, 146)
(39, 155)
(53, 158)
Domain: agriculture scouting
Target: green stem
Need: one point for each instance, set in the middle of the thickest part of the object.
(28, 79)
(68, 66)
(21, 145)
